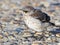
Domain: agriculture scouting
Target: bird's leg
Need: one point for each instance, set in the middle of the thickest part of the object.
(26, 27)
(1, 26)
(43, 33)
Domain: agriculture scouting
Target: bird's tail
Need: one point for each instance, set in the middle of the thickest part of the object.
(52, 24)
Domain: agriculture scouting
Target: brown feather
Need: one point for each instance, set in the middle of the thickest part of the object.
(38, 14)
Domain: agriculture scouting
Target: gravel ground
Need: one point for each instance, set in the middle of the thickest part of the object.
(12, 27)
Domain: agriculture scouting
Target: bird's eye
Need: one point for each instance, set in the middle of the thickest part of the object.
(25, 11)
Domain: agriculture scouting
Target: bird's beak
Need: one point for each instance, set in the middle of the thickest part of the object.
(24, 10)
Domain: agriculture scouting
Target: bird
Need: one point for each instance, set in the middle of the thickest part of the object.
(34, 18)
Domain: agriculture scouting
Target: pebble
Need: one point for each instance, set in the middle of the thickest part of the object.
(11, 38)
(1, 37)
(6, 33)
(57, 23)
(47, 35)
(58, 35)
(36, 43)
(5, 39)
(39, 33)
(27, 34)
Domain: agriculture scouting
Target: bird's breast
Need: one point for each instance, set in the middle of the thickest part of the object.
(33, 23)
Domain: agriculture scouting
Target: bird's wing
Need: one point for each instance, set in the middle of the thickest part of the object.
(41, 16)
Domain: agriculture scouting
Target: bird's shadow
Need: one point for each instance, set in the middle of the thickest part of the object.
(19, 30)
(55, 31)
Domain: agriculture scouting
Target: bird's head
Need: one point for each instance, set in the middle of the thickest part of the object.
(27, 10)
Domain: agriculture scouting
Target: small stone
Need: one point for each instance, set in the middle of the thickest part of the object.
(38, 33)
(17, 11)
(14, 44)
(6, 19)
(58, 35)
(48, 40)
(3, 26)
(6, 33)
(47, 35)
(27, 34)
(36, 43)
(11, 22)
(17, 18)
(1, 37)
(57, 23)
(5, 39)
(11, 38)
